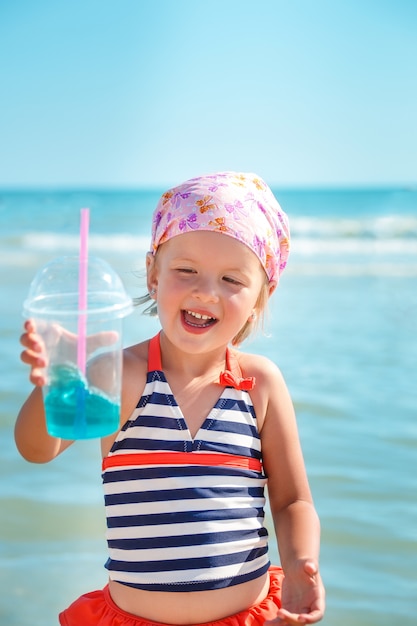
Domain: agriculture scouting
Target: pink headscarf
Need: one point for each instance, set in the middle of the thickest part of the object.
(239, 205)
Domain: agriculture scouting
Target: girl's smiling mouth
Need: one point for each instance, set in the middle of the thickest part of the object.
(198, 320)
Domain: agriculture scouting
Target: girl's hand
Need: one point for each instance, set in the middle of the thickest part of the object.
(34, 354)
(303, 596)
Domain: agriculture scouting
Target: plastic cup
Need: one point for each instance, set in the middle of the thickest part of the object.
(80, 404)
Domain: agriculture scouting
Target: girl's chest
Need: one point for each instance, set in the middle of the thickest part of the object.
(197, 408)
(220, 421)
(187, 421)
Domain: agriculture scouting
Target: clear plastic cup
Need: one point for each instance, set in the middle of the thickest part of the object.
(80, 404)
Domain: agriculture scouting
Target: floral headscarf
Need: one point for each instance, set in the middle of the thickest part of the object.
(241, 206)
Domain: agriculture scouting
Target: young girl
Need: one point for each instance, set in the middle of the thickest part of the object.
(204, 428)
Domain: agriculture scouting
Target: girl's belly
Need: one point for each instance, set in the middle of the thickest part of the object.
(193, 607)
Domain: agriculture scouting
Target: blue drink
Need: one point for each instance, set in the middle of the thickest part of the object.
(76, 411)
(80, 338)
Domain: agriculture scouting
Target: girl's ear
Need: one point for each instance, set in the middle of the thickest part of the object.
(151, 273)
(272, 285)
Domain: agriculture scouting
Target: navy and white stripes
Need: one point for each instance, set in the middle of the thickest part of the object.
(184, 514)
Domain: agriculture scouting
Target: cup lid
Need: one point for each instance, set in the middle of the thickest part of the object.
(54, 290)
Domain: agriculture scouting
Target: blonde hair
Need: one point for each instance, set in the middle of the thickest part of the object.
(258, 319)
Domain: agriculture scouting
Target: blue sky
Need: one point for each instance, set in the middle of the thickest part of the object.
(131, 93)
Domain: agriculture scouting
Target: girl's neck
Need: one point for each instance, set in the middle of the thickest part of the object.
(188, 365)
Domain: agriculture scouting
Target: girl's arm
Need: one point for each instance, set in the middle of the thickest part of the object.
(32, 439)
(294, 515)
(295, 519)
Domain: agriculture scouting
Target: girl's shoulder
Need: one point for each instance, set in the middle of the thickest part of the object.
(136, 355)
(269, 382)
(257, 365)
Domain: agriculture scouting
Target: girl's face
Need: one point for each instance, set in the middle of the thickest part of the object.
(207, 285)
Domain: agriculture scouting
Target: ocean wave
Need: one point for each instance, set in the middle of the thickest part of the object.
(115, 242)
(330, 247)
(377, 227)
(336, 246)
(313, 244)
(341, 269)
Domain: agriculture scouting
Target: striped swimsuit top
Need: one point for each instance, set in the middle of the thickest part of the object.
(185, 514)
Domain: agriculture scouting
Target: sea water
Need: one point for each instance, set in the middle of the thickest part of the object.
(75, 410)
(342, 327)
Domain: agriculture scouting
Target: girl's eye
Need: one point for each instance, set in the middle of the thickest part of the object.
(231, 280)
(185, 270)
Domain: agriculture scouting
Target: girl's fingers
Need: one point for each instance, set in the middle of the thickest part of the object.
(37, 378)
(29, 326)
(33, 355)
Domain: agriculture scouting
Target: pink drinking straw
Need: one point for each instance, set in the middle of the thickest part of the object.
(82, 292)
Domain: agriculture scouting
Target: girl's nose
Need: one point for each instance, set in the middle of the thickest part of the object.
(205, 290)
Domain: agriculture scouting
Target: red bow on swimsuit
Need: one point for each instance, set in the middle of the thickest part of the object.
(232, 376)
(228, 379)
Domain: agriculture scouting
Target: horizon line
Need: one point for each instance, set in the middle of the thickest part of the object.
(160, 188)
